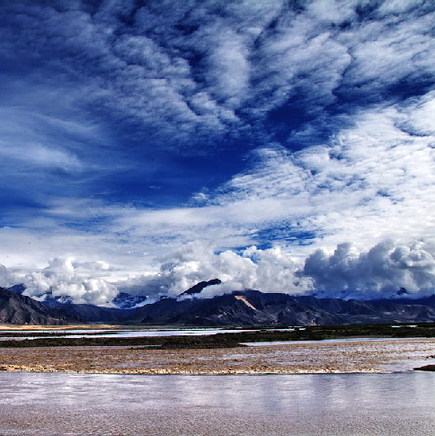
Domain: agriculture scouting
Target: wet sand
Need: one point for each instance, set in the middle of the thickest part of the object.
(357, 356)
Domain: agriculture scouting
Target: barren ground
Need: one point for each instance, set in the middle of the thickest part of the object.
(320, 357)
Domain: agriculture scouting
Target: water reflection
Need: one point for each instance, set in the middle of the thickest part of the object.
(359, 404)
(123, 333)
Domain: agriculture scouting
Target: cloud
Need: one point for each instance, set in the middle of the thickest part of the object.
(7, 277)
(69, 280)
(190, 73)
(291, 126)
(375, 178)
(269, 270)
(348, 272)
(297, 67)
(420, 113)
(66, 280)
(373, 181)
(20, 146)
(379, 272)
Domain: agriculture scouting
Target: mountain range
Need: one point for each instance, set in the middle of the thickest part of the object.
(19, 309)
(239, 308)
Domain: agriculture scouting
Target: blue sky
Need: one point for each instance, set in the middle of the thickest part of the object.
(281, 145)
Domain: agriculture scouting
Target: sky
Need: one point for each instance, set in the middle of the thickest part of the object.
(285, 146)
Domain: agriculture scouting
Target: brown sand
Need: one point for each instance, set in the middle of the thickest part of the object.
(320, 357)
(32, 327)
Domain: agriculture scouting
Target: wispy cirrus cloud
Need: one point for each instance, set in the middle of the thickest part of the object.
(187, 80)
(373, 180)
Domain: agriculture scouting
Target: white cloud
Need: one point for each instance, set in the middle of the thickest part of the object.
(399, 6)
(380, 272)
(38, 155)
(7, 277)
(25, 141)
(346, 271)
(374, 181)
(387, 51)
(183, 74)
(334, 11)
(227, 66)
(298, 59)
(420, 115)
(66, 279)
(269, 270)
(178, 71)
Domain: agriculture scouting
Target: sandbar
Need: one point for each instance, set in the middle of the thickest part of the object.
(356, 356)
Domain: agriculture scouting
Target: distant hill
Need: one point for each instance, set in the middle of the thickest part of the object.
(91, 313)
(95, 314)
(240, 308)
(18, 309)
(257, 308)
(425, 301)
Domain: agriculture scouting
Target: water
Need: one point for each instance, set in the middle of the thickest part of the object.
(126, 333)
(352, 404)
(323, 341)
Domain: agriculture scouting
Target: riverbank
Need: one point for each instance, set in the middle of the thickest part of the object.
(355, 356)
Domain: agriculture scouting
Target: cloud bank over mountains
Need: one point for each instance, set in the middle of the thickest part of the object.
(347, 272)
(386, 270)
(151, 145)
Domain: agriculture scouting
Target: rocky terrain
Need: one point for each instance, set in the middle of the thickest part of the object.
(239, 308)
(18, 309)
(257, 308)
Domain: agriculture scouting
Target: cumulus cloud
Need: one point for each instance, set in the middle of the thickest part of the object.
(347, 272)
(379, 272)
(68, 280)
(374, 180)
(7, 277)
(270, 270)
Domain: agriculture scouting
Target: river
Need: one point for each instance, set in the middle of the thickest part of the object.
(317, 404)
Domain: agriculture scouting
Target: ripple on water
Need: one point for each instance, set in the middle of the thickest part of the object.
(354, 404)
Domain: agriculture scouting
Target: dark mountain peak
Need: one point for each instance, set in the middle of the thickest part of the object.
(196, 289)
(402, 291)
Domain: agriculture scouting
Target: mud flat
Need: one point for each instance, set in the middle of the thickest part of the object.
(353, 356)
